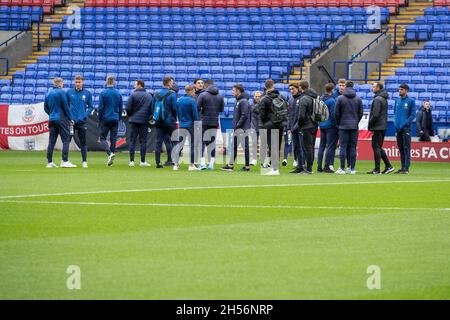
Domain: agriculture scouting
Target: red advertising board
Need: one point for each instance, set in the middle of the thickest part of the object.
(420, 151)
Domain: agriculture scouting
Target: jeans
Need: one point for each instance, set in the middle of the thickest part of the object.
(163, 135)
(330, 149)
(404, 145)
(60, 128)
(348, 142)
(141, 130)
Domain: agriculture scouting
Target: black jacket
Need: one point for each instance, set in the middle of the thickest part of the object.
(266, 111)
(294, 103)
(241, 113)
(139, 106)
(349, 110)
(254, 116)
(210, 104)
(379, 111)
(424, 121)
(305, 110)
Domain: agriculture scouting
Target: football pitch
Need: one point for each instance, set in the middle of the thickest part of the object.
(147, 233)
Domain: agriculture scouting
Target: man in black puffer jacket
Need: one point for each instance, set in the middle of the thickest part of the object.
(210, 105)
(349, 112)
(139, 112)
(378, 126)
(307, 127)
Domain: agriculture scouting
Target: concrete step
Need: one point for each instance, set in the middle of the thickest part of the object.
(6, 77)
(16, 69)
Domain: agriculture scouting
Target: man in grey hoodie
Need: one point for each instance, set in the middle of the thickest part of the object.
(210, 105)
(349, 112)
(378, 126)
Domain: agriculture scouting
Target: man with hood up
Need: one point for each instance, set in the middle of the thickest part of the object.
(210, 105)
(349, 112)
(307, 127)
(378, 126)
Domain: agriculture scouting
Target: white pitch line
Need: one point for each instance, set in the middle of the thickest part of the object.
(202, 205)
(219, 187)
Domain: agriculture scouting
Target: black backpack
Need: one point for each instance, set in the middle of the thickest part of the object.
(280, 110)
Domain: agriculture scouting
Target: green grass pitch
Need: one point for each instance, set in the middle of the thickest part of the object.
(143, 233)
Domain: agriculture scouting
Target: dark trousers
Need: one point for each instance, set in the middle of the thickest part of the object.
(58, 128)
(330, 149)
(322, 147)
(425, 136)
(205, 144)
(309, 140)
(404, 145)
(164, 135)
(191, 143)
(81, 129)
(110, 127)
(378, 151)
(287, 147)
(348, 140)
(141, 130)
(297, 145)
(246, 149)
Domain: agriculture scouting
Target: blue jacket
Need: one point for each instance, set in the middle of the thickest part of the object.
(139, 107)
(187, 111)
(348, 110)
(110, 105)
(56, 105)
(404, 112)
(294, 103)
(80, 104)
(331, 103)
(241, 113)
(336, 93)
(210, 104)
(170, 105)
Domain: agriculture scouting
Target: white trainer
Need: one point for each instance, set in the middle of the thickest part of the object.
(352, 171)
(67, 164)
(131, 164)
(193, 168)
(273, 173)
(331, 168)
(295, 163)
(254, 162)
(339, 171)
(111, 159)
(51, 165)
(85, 165)
(348, 171)
(144, 164)
(176, 167)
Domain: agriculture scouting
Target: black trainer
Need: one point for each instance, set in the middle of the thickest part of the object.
(159, 166)
(168, 164)
(388, 170)
(227, 168)
(297, 170)
(244, 169)
(328, 170)
(374, 172)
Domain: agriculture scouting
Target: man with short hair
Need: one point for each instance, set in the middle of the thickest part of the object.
(328, 133)
(139, 113)
(241, 121)
(267, 116)
(404, 112)
(60, 120)
(292, 124)
(424, 122)
(165, 119)
(110, 107)
(378, 126)
(199, 87)
(210, 104)
(187, 115)
(254, 116)
(349, 112)
(307, 127)
(81, 107)
(340, 90)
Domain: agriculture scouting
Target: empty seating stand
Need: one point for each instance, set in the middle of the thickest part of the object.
(46, 5)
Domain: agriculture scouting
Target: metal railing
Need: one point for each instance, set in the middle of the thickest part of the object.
(14, 37)
(348, 63)
(376, 40)
(7, 66)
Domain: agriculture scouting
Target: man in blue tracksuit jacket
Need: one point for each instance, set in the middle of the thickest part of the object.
(110, 107)
(166, 121)
(139, 112)
(81, 107)
(60, 118)
(242, 121)
(187, 114)
(328, 133)
(404, 112)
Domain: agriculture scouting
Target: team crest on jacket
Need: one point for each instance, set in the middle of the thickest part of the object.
(28, 115)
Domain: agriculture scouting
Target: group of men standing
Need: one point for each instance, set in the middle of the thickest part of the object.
(264, 119)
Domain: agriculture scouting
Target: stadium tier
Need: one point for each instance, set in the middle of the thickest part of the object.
(46, 5)
(19, 18)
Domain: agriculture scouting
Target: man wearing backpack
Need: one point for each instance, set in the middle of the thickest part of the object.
(165, 117)
(110, 106)
(273, 114)
(307, 126)
(139, 113)
(210, 104)
(349, 112)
